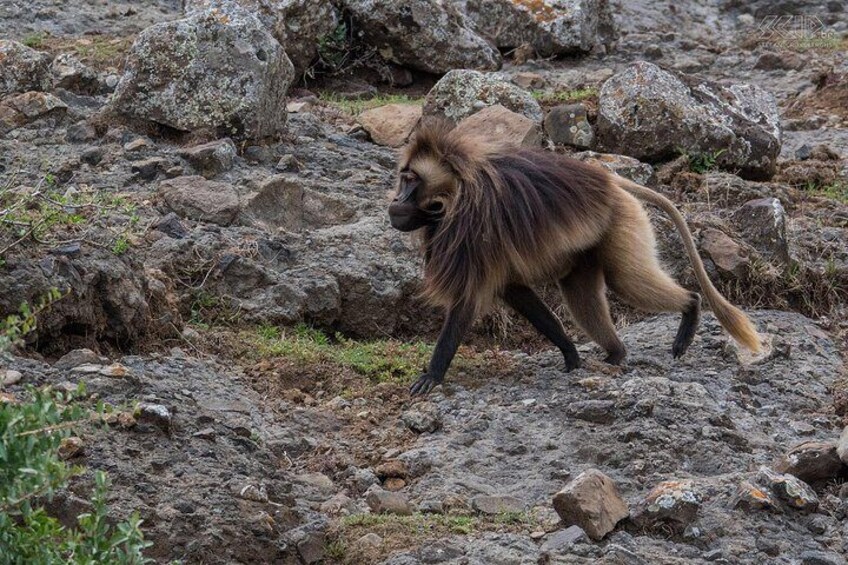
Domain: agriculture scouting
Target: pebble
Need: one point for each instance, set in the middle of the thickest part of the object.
(11, 377)
(423, 419)
(370, 540)
(563, 539)
(497, 504)
(384, 502)
(670, 503)
(794, 492)
(254, 493)
(156, 414)
(71, 447)
(390, 469)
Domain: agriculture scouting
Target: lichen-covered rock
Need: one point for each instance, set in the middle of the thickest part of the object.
(211, 159)
(298, 25)
(461, 93)
(392, 124)
(550, 27)
(763, 223)
(506, 126)
(791, 490)
(22, 69)
(70, 73)
(622, 165)
(434, 37)
(209, 70)
(652, 114)
(672, 504)
(568, 125)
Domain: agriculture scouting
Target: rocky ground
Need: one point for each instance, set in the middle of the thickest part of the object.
(198, 238)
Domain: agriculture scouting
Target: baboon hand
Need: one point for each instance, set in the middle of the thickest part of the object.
(425, 384)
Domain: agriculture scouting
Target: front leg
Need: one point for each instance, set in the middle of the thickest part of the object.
(457, 322)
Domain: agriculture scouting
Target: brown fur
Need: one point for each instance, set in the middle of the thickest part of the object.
(521, 216)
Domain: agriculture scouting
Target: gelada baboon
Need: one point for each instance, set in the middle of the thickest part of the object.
(495, 220)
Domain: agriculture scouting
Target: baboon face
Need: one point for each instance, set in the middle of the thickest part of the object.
(422, 194)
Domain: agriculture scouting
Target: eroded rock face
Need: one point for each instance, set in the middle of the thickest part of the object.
(550, 27)
(434, 37)
(461, 93)
(653, 114)
(22, 69)
(298, 25)
(209, 70)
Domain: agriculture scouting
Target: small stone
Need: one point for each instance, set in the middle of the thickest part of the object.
(768, 546)
(114, 370)
(11, 377)
(22, 68)
(670, 504)
(71, 447)
(497, 504)
(394, 484)
(430, 506)
(287, 163)
(812, 557)
(393, 468)
(81, 132)
(794, 492)
(87, 368)
(597, 411)
(842, 446)
(197, 198)
(562, 540)
(529, 81)
(205, 433)
(392, 124)
(763, 223)
(317, 480)
(811, 461)
(258, 154)
(156, 414)
(363, 479)
(423, 419)
(502, 124)
(818, 524)
(76, 358)
(92, 156)
(190, 334)
(311, 546)
(28, 107)
(137, 145)
(148, 169)
(713, 555)
(568, 125)
(337, 504)
(727, 255)
(370, 540)
(7, 398)
(592, 502)
(171, 226)
(254, 493)
(383, 502)
(72, 74)
(211, 159)
(750, 497)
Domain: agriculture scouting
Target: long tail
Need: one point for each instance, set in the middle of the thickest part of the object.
(730, 317)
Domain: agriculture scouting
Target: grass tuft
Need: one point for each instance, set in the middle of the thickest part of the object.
(357, 106)
(563, 96)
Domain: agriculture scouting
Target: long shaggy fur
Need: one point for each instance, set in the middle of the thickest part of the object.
(514, 215)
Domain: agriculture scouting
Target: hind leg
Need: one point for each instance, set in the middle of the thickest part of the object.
(584, 293)
(633, 272)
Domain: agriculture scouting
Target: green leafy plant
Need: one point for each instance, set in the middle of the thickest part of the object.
(703, 162)
(31, 472)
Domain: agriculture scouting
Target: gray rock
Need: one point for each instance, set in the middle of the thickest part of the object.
(842, 446)
(23, 109)
(811, 461)
(460, 93)
(384, 502)
(299, 25)
(727, 255)
(497, 504)
(597, 411)
(211, 159)
(568, 125)
(9, 377)
(763, 223)
(550, 27)
(434, 37)
(812, 557)
(81, 132)
(424, 418)
(22, 69)
(209, 70)
(196, 198)
(148, 169)
(506, 126)
(392, 124)
(622, 165)
(171, 226)
(671, 504)
(76, 358)
(70, 73)
(653, 114)
(155, 414)
(562, 540)
(592, 502)
(792, 491)
(363, 479)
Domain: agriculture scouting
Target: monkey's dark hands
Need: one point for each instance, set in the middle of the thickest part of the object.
(425, 384)
(572, 359)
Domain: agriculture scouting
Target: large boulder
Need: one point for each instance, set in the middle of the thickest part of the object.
(298, 25)
(22, 69)
(461, 93)
(434, 37)
(209, 70)
(550, 27)
(652, 114)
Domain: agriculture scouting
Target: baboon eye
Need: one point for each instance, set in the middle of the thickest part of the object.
(436, 207)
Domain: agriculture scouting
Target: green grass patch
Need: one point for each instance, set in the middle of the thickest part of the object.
(459, 524)
(34, 40)
(379, 360)
(564, 96)
(703, 162)
(357, 106)
(835, 191)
